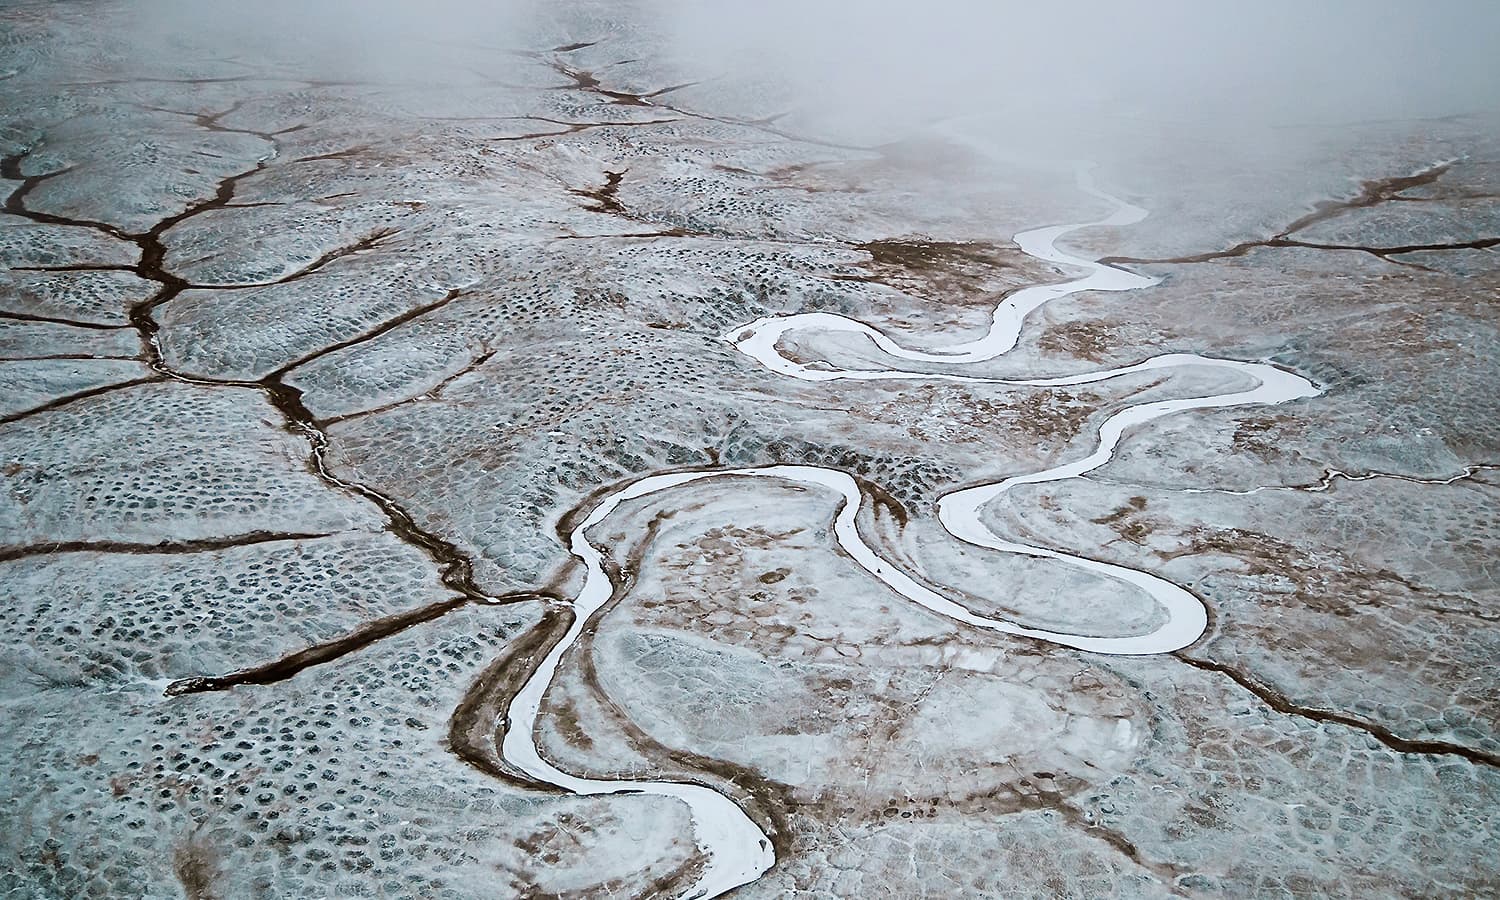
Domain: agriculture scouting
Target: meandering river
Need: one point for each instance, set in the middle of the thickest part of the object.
(736, 850)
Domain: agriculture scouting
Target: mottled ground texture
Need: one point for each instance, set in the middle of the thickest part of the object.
(300, 372)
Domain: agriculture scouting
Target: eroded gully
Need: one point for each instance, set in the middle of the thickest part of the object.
(736, 850)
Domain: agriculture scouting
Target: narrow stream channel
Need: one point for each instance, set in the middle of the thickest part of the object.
(737, 851)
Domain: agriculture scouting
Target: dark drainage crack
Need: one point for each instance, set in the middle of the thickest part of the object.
(198, 545)
(1372, 193)
(328, 651)
(1283, 704)
(456, 570)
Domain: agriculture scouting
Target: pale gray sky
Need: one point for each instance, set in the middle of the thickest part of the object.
(863, 65)
(1272, 59)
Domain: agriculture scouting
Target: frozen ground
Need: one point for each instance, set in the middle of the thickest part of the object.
(317, 389)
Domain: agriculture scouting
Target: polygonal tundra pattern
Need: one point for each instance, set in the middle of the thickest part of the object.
(530, 457)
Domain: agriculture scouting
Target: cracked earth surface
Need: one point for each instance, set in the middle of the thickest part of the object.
(314, 384)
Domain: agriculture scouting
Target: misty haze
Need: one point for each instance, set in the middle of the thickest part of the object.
(689, 449)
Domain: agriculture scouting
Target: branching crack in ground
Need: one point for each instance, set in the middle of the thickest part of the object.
(214, 121)
(328, 651)
(584, 80)
(431, 393)
(77, 267)
(1326, 482)
(15, 202)
(74, 356)
(1165, 873)
(66, 399)
(456, 570)
(375, 332)
(605, 197)
(1384, 253)
(1285, 705)
(369, 242)
(200, 545)
(1332, 476)
(569, 127)
(605, 202)
(1372, 193)
(54, 320)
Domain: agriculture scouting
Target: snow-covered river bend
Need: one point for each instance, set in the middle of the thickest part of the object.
(737, 851)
